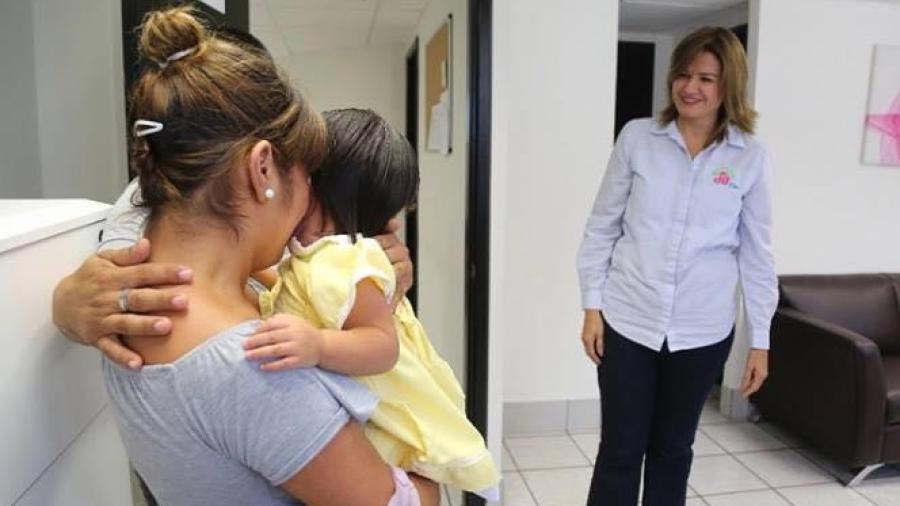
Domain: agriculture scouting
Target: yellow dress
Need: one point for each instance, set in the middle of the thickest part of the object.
(420, 423)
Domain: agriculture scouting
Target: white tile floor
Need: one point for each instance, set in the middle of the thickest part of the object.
(735, 464)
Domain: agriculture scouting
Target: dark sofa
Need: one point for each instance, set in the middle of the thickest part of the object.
(835, 367)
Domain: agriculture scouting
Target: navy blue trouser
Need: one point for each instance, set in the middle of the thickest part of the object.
(650, 408)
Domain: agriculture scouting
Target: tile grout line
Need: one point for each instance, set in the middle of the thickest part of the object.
(508, 452)
(714, 442)
(771, 487)
(817, 465)
(581, 451)
(865, 498)
(787, 446)
(557, 468)
(528, 488)
(733, 457)
(519, 472)
(776, 490)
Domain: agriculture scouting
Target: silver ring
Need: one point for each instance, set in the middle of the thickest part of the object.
(123, 299)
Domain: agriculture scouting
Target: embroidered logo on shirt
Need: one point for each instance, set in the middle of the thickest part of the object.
(724, 176)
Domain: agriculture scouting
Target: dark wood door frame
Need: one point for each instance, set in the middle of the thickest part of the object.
(412, 134)
(478, 214)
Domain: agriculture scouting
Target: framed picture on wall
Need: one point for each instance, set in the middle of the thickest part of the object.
(439, 90)
(881, 141)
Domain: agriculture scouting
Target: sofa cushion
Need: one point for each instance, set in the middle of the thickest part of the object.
(892, 381)
(863, 303)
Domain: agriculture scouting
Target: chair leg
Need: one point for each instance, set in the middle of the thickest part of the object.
(857, 478)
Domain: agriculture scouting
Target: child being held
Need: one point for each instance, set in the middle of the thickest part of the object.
(340, 284)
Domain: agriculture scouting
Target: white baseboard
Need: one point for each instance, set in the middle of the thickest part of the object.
(548, 417)
(733, 405)
(583, 415)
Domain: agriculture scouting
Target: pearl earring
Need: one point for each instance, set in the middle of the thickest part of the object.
(270, 193)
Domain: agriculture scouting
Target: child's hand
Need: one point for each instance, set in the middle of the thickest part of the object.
(285, 342)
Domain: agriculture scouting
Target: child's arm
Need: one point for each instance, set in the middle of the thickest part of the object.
(367, 344)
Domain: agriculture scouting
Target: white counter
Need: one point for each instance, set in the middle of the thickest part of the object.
(58, 444)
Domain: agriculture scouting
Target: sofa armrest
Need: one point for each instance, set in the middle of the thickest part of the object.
(827, 383)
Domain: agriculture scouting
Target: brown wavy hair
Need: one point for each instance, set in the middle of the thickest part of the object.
(215, 103)
(725, 46)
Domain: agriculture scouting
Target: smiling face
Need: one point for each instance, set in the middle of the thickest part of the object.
(696, 91)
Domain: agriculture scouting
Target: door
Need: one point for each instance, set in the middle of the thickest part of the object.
(412, 134)
(634, 82)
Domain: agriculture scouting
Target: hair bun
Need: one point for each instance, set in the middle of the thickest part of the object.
(166, 32)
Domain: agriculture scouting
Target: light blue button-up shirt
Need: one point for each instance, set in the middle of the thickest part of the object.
(670, 237)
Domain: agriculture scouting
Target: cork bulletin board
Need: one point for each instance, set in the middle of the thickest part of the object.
(438, 89)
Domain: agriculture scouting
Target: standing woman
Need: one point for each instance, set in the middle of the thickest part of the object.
(682, 216)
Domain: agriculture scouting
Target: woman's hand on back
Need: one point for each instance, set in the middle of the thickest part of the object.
(398, 254)
(592, 335)
(87, 304)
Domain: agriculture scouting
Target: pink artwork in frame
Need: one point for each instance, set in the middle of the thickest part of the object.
(881, 144)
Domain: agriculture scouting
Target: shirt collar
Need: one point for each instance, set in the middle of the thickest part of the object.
(734, 137)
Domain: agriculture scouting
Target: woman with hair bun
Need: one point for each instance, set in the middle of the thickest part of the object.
(224, 148)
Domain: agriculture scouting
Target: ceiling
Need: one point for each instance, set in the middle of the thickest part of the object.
(660, 15)
(296, 26)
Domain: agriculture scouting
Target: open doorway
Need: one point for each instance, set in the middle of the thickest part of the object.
(648, 32)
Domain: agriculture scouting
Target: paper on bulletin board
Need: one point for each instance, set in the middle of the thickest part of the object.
(438, 90)
(439, 128)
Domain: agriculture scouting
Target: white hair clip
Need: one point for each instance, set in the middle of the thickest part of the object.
(177, 56)
(144, 127)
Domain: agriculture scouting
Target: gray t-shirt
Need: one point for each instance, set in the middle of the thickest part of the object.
(212, 428)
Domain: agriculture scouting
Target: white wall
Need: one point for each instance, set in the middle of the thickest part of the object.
(20, 170)
(833, 214)
(812, 92)
(373, 78)
(442, 197)
(62, 109)
(80, 96)
(442, 207)
(554, 89)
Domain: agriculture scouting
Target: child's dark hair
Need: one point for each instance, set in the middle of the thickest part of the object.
(369, 174)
